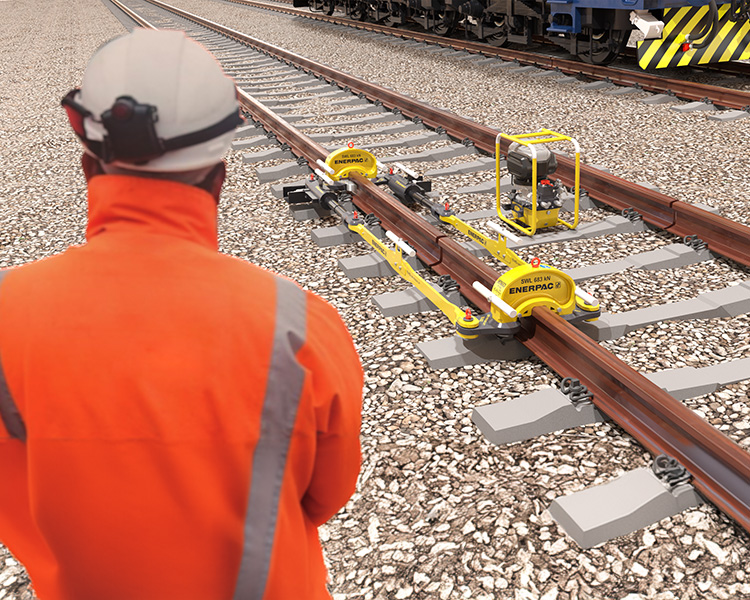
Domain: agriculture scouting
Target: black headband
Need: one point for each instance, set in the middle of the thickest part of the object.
(131, 133)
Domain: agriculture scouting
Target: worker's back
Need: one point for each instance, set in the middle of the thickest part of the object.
(185, 419)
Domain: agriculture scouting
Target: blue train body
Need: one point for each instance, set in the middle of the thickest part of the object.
(676, 32)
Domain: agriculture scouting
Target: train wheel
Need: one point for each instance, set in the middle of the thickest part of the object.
(324, 6)
(603, 46)
(374, 12)
(499, 37)
(444, 23)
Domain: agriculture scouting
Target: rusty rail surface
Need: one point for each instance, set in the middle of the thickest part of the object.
(649, 82)
(663, 425)
(720, 467)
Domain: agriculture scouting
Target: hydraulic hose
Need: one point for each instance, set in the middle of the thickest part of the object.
(710, 29)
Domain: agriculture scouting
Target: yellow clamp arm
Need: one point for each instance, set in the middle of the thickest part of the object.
(395, 258)
(498, 248)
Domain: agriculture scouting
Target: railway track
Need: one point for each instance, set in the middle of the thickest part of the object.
(627, 78)
(720, 469)
(722, 235)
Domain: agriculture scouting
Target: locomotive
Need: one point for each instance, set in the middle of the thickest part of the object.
(674, 32)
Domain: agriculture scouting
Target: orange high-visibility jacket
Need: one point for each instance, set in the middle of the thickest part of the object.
(176, 423)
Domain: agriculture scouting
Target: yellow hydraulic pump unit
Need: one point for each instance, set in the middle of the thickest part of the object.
(535, 200)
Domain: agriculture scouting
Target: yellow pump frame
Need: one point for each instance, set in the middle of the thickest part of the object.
(545, 136)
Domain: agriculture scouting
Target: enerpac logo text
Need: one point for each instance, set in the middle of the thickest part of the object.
(345, 161)
(531, 288)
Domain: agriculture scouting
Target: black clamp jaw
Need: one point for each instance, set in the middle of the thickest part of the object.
(410, 190)
(317, 191)
(489, 326)
(334, 197)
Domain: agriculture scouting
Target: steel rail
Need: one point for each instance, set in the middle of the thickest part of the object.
(728, 68)
(687, 90)
(720, 468)
(133, 15)
(721, 235)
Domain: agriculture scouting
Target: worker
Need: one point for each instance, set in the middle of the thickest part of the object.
(176, 423)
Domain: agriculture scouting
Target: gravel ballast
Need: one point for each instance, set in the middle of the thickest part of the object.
(438, 512)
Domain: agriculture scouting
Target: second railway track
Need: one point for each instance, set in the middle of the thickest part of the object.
(628, 77)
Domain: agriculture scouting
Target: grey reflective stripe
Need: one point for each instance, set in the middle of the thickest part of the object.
(12, 419)
(283, 389)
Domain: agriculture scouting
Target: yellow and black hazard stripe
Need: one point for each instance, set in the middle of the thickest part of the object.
(731, 43)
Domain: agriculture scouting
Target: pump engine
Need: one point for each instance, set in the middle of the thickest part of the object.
(548, 197)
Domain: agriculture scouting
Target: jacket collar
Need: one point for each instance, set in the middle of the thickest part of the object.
(127, 204)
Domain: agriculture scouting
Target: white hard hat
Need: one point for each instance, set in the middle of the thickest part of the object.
(154, 101)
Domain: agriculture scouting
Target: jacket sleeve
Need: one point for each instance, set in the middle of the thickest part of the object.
(17, 529)
(15, 516)
(337, 381)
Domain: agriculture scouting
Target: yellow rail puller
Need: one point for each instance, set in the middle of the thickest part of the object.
(535, 201)
(466, 323)
(523, 287)
(346, 160)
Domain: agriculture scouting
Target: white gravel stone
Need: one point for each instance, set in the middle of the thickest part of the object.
(713, 548)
